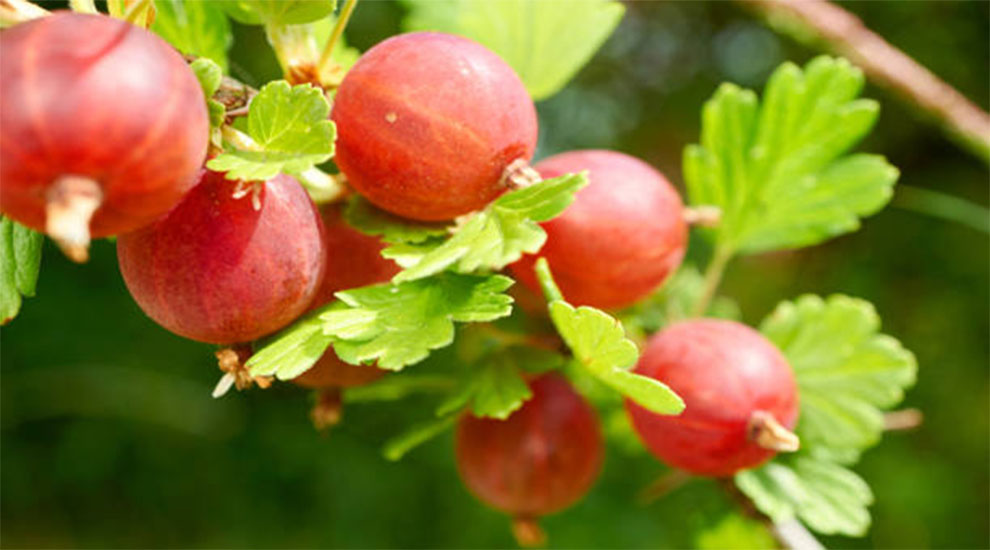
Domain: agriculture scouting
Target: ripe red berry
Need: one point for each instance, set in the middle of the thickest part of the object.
(219, 270)
(103, 127)
(540, 460)
(353, 260)
(428, 123)
(740, 394)
(623, 235)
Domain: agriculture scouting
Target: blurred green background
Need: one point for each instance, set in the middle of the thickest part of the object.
(110, 438)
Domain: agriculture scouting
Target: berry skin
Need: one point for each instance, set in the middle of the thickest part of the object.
(541, 459)
(218, 270)
(619, 240)
(353, 260)
(739, 391)
(428, 123)
(103, 127)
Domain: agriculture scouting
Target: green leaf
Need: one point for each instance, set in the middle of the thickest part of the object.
(826, 496)
(776, 170)
(210, 76)
(398, 446)
(599, 344)
(292, 351)
(290, 127)
(20, 258)
(546, 42)
(366, 218)
(736, 532)
(846, 371)
(399, 325)
(494, 387)
(494, 237)
(278, 12)
(195, 27)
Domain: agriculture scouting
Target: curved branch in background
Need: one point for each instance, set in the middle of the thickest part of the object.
(845, 34)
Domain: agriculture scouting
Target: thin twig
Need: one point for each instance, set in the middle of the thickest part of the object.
(846, 35)
(903, 420)
(713, 276)
(662, 486)
(323, 64)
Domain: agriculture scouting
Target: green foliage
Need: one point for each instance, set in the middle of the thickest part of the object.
(210, 76)
(599, 345)
(398, 325)
(824, 495)
(278, 12)
(195, 27)
(395, 325)
(363, 216)
(847, 372)
(777, 170)
(291, 133)
(674, 302)
(494, 237)
(736, 532)
(546, 42)
(20, 258)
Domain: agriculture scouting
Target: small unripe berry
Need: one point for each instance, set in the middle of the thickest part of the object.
(740, 395)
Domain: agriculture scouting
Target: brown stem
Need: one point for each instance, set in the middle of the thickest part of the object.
(519, 174)
(662, 486)
(765, 431)
(328, 409)
(528, 532)
(846, 35)
(906, 419)
(71, 202)
(703, 216)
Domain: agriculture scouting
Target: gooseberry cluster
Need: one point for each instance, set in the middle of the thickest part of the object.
(104, 132)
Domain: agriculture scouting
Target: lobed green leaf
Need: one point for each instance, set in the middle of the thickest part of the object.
(846, 371)
(398, 325)
(293, 350)
(494, 237)
(291, 131)
(545, 42)
(824, 495)
(20, 259)
(366, 218)
(776, 170)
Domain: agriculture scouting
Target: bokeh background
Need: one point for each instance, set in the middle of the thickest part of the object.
(109, 438)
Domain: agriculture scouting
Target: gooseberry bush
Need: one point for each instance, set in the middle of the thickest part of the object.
(336, 227)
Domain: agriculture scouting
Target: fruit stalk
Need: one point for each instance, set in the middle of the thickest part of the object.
(71, 202)
(713, 276)
(323, 66)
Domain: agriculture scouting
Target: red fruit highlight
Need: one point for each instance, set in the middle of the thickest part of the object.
(619, 240)
(216, 269)
(740, 394)
(540, 460)
(103, 127)
(428, 123)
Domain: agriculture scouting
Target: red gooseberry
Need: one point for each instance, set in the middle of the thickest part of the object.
(739, 391)
(541, 459)
(430, 126)
(619, 240)
(103, 127)
(225, 268)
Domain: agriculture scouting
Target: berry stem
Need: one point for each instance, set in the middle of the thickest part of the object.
(703, 216)
(72, 200)
(323, 188)
(905, 419)
(550, 289)
(528, 532)
(327, 410)
(765, 431)
(663, 485)
(13, 12)
(713, 276)
(324, 65)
